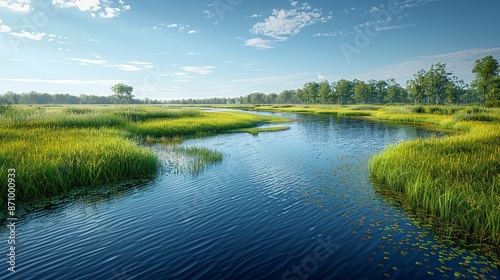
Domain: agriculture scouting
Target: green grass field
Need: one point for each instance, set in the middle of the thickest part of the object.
(58, 148)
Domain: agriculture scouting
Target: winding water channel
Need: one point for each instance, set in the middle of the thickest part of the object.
(295, 204)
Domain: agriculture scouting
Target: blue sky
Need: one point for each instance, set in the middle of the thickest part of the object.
(229, 48)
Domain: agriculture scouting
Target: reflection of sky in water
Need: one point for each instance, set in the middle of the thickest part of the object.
(257, 215)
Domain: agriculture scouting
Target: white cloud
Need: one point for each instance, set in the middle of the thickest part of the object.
(259, 43)
(84, 61)
(105, 8)
(109, 12)
(128, 68)
(208, 14)
(87, 5)
(143, 64)
(4, 28)
(334, 34)
(35, 36)
(190, 53)
(203, 70)
(22, 6)
(67, 82)
(392, 27)
(415, 3)
(193, 31)
(284, 23)
(136, 62)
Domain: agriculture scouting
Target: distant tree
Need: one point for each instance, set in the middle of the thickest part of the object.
(311, 92)
(271, 98)
(325, 93)
(416, 86)
(285, 97)
(486, 70)
(395, 93)
(454, 90)
(436, 82)
(122, 92)
(257, 98)
(343, 90)
(299, 97)
(361, 92)
(381, 87)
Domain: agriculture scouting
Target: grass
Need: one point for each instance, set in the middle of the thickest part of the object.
(197, 159)
(53, 161)
(204, 123)
(452, 182)
(57, 149)
(256, 130)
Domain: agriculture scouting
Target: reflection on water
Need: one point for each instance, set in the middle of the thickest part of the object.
(295, 204)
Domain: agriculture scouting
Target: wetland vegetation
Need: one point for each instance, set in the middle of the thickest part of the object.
(452, 182)
(58, 148)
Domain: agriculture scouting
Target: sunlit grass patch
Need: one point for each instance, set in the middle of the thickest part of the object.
(256, 130)
(53, 161)
(205, 123)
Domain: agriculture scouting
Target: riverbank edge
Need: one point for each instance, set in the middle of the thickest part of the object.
(468, 216)
(135, 141)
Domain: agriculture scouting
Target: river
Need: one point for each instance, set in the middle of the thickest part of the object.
(294, 204)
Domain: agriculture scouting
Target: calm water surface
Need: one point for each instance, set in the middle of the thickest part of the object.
(295, 204)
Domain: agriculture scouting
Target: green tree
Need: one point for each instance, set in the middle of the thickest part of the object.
(436, 82)
(486, 70)
(271, 98)
(455, 90)
(361, 92)
(285, 97)
(122, 92)
(343, 90)
(324, 93)
(416, 86)
(381, 87)
(311, 92)
(395, 93)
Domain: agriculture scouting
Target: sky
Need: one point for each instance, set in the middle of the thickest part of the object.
(229, 48)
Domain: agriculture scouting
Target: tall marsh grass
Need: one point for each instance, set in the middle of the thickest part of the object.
(55, 149)
(452, 182)
(455, 179)
(196, 159)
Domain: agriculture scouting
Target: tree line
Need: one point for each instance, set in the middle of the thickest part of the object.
(34, 97)
(433, 86)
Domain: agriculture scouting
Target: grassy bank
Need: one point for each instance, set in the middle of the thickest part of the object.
(453, 183)
(56, 149)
